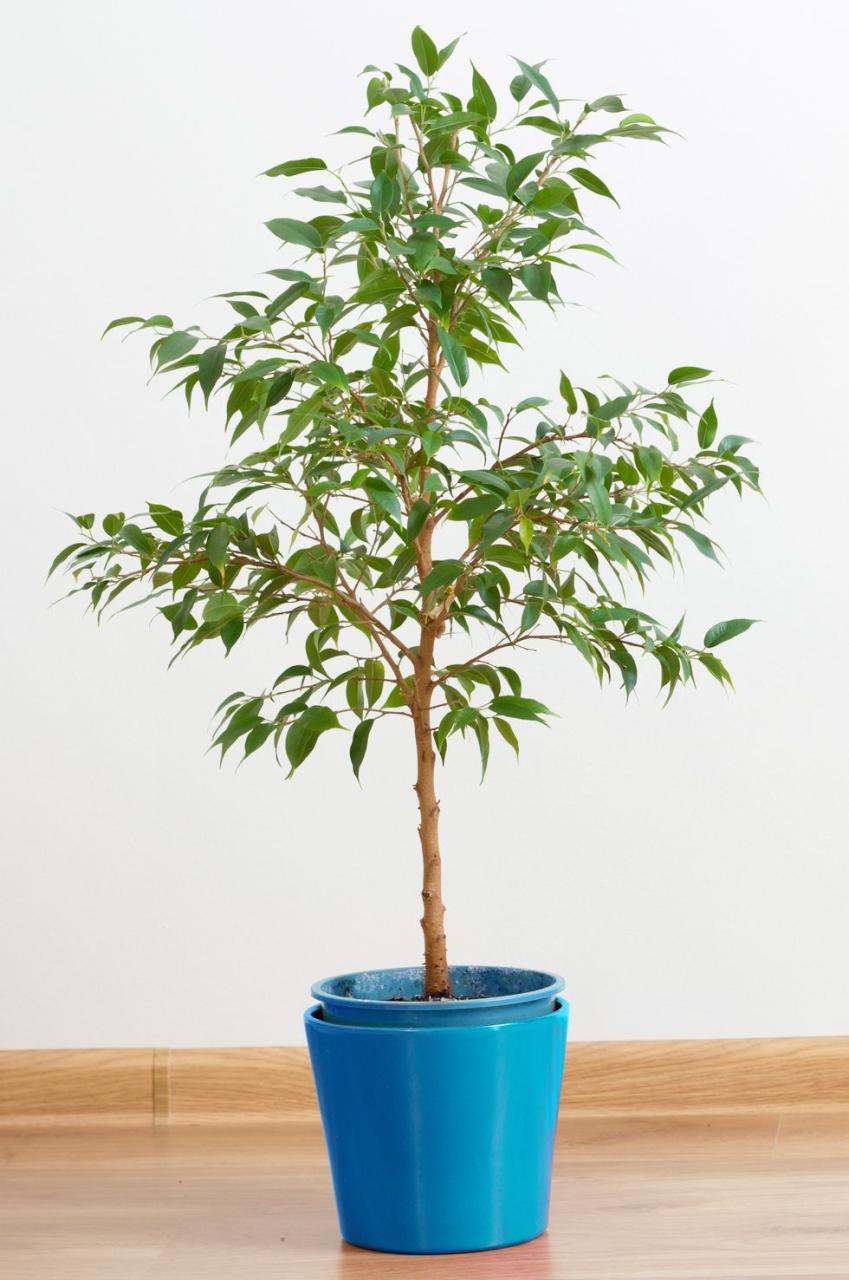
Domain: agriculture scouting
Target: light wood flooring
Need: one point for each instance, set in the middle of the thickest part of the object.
(763, 1195)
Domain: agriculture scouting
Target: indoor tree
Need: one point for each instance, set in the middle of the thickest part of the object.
(404, 533)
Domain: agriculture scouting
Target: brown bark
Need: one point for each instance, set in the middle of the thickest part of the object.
(437, 977)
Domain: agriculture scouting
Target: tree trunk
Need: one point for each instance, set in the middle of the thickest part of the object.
(437, 978)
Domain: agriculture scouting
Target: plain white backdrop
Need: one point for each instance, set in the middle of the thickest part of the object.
(686, 868)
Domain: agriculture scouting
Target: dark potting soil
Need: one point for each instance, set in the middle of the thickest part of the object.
(430, 999)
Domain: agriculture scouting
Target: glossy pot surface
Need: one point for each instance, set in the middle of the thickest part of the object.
(440, 1137)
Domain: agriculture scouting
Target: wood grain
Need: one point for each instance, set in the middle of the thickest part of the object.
(191, 1086)
(161, 1101)
(72, 1084)
(708, 1075)
(700, 1197)
(240, 1084)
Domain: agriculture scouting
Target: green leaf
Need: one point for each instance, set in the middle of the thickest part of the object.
(612, 102)
(230, 632)
(122, 320)
(700, 541)
(730, 444)
(650, 461)
(425, 51)
(538, 80)
(517, 173)
(612, 409)
(113, 523)
(599, 499)
(216, 546)
(519, 708)
(544, 123)
(472, 508)
(210, 367)
(494, 527)
(384, 494)
(244, 719)
(287, 297)
(333, 374)
(382, 194)
(291, 168)
(304, 733)
(176, 344)
(716, 668)
(419, 512)
(327, 313)
(699, 495)
(480, 728)
(452, 122)
(354, 694)
(446, 51)
(531, 402)
(458, 719)
(184, 574)
(166, 519)
(537, 279)
(508, 733)
(359, 745)
(530, 614)
(484, 98)
(707, 427)
(373, 679)
(455, 356)
(442, 573)
(722, 631)
(294, 232)
(628, 669)
(220, 608)
(498, 282)
(258, 370)
(64, 554)
(140, 541)
(324, 195)
(526, 531)
(687, 373)
(568, 393)
(257, 736)
(592, 183)
(486, 480)
(578, 144)
(280, 387)
(519, 86)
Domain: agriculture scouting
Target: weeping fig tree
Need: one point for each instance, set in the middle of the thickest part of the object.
(400, 531)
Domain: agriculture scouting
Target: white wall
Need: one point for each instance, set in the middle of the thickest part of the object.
(685, 868)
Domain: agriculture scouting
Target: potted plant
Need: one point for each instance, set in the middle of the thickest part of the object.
(405, 533)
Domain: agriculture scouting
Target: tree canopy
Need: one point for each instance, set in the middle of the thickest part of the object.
(378, 502)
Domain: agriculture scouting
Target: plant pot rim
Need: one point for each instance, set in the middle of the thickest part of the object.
(506, 993)
(317, 1024)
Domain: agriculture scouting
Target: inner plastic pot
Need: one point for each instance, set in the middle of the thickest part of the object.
(482, 995)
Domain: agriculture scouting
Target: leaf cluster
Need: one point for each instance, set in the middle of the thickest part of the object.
(378, 504)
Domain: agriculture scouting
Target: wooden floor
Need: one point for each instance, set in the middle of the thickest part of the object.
(758, 1195)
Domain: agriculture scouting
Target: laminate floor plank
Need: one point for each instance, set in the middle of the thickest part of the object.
(724, 1196)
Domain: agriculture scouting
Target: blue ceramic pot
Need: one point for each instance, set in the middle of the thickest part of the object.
(439, 1117)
